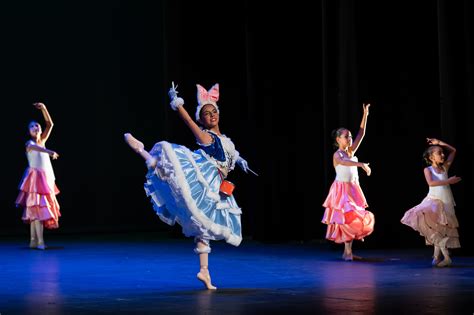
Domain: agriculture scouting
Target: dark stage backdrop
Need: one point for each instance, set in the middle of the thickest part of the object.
(289, 74)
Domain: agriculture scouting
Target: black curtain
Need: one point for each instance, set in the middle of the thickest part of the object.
(289, 74)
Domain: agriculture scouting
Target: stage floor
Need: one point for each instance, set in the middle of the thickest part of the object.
(150, 274)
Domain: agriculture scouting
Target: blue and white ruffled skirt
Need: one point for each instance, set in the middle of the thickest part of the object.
(184, 188)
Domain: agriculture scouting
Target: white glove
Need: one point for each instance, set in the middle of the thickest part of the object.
(243, 164)
(175, 100)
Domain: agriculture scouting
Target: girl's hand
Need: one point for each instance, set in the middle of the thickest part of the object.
(433, 141)
(39, 106)
(53, 155)
(366, 168)
(366, 109)
(454, 180)
(175, 100)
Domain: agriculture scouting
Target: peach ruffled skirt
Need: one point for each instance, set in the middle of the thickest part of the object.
(37, 197)
(435, 221)
(345, 213)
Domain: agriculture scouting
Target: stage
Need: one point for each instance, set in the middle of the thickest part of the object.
(148, 273)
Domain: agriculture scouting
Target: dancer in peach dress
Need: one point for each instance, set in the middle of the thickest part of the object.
(38, 190)
(345, 204)
(434, 218)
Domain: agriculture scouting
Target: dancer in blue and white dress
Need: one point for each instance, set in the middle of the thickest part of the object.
(189, 187)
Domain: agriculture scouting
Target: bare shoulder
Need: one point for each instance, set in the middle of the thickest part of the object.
(28, 145)
(427, 170)
(338, 155)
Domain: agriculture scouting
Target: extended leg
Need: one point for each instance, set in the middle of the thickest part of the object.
(138, 147)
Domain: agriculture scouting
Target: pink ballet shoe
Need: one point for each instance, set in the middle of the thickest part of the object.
(445, 263)
(435, 261)
(135, 144)
(206, 280)
(138, 147)
(347, 257)
(33, 243)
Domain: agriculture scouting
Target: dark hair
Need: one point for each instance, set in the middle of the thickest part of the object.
(427, 154)
(337, 133)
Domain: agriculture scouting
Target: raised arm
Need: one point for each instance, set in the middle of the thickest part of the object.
(361, 133)
(338, 159)
(48, 121)
(177, 104)
(451, 149)
(201, 136)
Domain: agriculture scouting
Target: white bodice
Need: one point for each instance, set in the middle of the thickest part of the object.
(347, 173)
(442, 193)
(40, 160)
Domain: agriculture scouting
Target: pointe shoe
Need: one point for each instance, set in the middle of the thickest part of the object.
(138, 147)
(347, 257)
(135, 144)
(435, 261)
(445, 263)
(350, 257)
(206, 280)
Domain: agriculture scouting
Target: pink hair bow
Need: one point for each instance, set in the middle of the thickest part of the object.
(204, 97)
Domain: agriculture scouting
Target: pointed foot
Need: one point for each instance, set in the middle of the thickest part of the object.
(206, 280)
(134, 143)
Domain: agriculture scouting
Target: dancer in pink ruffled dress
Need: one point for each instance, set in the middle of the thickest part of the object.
(38, 190)
(345, 205)
(434, 218)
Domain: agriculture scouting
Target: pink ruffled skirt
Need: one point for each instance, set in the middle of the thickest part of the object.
(38, 199)
(345, 213)
(435, 221)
